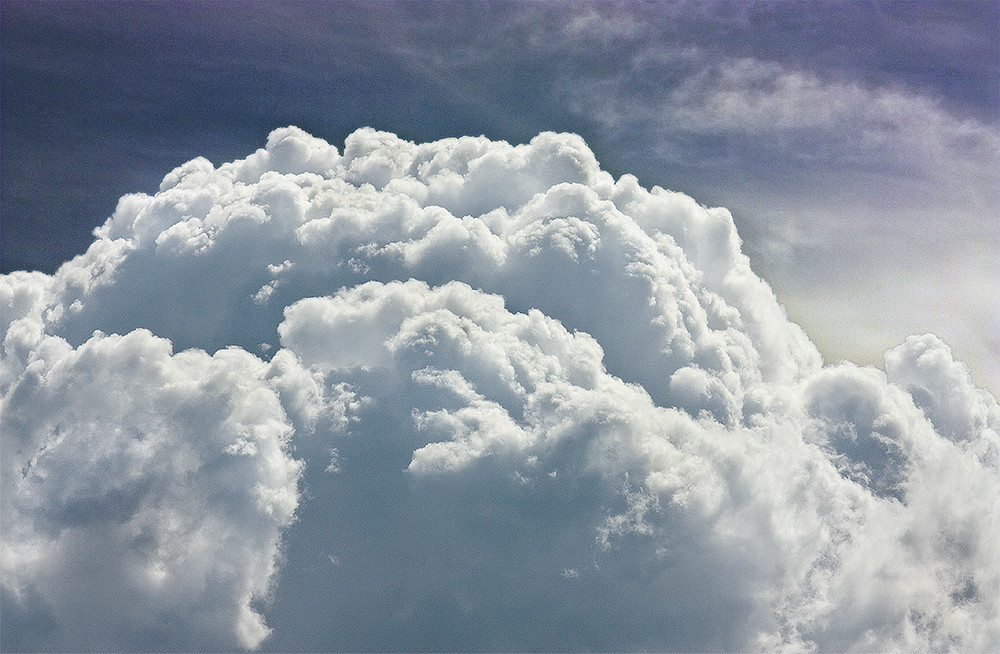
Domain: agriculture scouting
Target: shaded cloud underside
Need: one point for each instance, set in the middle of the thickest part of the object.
(468, 395)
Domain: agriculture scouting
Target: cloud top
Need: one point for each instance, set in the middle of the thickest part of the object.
(468, 395)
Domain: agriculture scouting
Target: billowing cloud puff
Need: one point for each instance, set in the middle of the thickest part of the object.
(468, 395)
(144, 494)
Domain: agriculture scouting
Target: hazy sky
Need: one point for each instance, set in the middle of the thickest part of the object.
(472, 358)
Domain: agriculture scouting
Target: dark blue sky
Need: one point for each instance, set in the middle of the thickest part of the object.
(843, 163)
(104, 98)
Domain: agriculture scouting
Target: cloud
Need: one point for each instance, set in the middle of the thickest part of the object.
(469, 395)
(842, 183)
(855, 125)
(144, 494)
(860, 165)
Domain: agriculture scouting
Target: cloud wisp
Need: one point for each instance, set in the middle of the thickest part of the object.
(471, 396)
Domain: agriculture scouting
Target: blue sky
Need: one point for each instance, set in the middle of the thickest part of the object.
(334, 388)
(858, 153)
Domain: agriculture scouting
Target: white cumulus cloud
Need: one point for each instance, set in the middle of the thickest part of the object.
(144, 493)
(513, 404)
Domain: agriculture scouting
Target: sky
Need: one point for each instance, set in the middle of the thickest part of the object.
(500, 326)
(856, 143)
